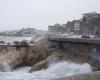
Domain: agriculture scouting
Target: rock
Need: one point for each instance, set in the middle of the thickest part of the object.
(24, 55)
(13, 58)
(57, 56)
(38, 66)
(53, 58)
(37, 53)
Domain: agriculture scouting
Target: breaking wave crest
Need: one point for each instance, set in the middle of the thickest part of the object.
(55, 70)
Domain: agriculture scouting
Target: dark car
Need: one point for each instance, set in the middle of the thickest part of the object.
(85, 36)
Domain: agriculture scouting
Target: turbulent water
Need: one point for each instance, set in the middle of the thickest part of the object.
(7, 39)
(55, 70)
(12, 39)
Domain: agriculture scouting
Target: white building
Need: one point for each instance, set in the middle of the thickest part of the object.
(77, 26)
(91, 15)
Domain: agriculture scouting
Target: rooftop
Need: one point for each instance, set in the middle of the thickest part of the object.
(94, 13)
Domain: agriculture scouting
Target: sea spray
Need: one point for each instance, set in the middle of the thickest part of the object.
(5, 67)
(55, 70)
(62, 69)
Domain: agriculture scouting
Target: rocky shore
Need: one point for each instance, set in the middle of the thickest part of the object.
(16, 56)
(39, 57)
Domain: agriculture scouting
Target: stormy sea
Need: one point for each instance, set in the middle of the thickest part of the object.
(55, 70)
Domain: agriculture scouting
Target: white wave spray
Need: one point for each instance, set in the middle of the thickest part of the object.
(55, 70)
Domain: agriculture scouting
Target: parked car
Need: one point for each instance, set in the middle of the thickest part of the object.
(85, 36)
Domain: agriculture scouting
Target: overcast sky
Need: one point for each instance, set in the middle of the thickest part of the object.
(15, 14)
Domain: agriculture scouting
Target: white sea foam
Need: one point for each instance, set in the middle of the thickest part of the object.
(55, 70)
(12, 39)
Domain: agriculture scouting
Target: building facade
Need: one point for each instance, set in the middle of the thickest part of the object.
(89, 24)
(91, 15)
(57, 28)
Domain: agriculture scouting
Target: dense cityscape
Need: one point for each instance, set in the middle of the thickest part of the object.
(88, 24)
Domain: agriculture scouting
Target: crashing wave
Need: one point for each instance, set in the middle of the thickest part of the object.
(55, 70)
